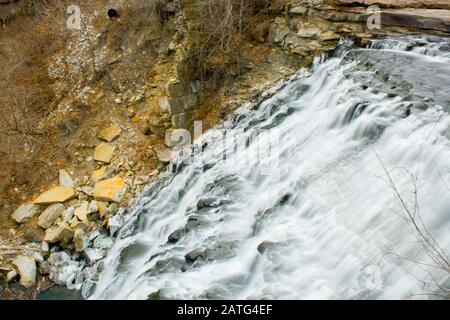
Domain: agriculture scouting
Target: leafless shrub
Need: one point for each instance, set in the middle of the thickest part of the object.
(439, 259)
(218, 31)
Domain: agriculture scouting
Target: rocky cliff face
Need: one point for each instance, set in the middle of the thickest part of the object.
(87, 113)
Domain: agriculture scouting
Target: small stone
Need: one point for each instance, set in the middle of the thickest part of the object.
(131, 113)
(164, 155)
(59, 233)
(89, 191)
(93, 207)
(109, 134)
(102, 174)
(26, 212)
(10, 276)
(49, 216)
(68, 214)
(102, 209)
(80, 240)
(45, 247)
(111, 190)
(44, 268)
(82, 212)
(176, 89)
(65, 180)
(37, 256)
(194, 255)
(27, 270)
(164, 104)
(56, 195)
(104, 152)
(74, 222)
(176, 236)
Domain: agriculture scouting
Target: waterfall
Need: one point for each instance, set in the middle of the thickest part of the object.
(306, 193)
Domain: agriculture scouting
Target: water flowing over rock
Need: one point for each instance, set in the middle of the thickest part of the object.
(304, 209)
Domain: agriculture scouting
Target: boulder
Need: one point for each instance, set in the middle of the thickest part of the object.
(82, 213)
(278, 31)
(56, 195)
(49, 216)
(194, 255)
(164, 155)
(27, 270)
(110, 134)
(63, 271)
(65, 180)
(104, 152)
(80, 239)
(44, 268)
(176, 236)
(68, 214)
(93, 255)
(33, 233)
(93, 211)
(111, 190)
(61, 233)
(26, 212)
(179, 121)
(10, 276)
(102, 174)
(176, 105)
(102, 209)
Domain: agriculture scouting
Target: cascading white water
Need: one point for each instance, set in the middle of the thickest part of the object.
(315, 216)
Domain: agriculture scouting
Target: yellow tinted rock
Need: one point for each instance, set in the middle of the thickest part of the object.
(56, 195)
(110, 133)
(104, 152)
(111, 190)
(74, 222)
(102, 174)
(82, 212)
(102, 209)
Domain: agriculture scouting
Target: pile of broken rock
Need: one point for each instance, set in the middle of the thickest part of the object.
(74, 210)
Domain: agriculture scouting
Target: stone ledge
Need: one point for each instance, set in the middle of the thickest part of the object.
(430, 4)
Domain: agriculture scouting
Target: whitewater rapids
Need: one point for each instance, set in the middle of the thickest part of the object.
(294, 196)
